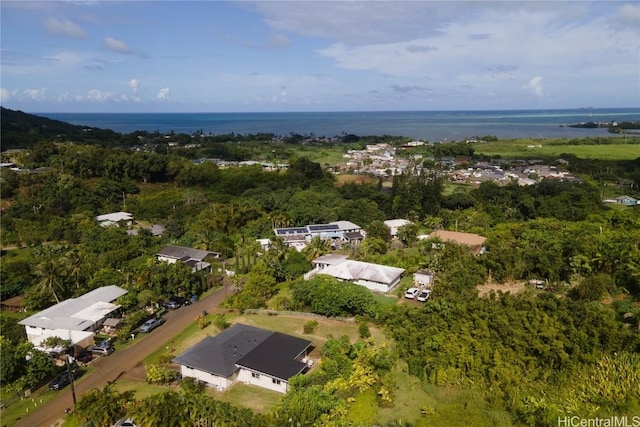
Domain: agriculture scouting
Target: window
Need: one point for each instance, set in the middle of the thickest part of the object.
(254, 375)
(275, 381)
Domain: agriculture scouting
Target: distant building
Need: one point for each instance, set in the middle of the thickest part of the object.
(115, 218)
(338, 230)
(474, 241)
(395, 224)
(194, 258)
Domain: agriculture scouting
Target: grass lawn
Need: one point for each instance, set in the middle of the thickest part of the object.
(525, 148)
(240, 395)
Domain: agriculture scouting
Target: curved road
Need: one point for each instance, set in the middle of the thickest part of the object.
(110, 368)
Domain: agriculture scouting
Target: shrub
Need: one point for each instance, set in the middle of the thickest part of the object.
(158, 374)
(310, 327)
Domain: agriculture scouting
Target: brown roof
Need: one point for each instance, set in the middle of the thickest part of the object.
(476, 241)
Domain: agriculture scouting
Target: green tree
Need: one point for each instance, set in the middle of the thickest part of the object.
(103, 407)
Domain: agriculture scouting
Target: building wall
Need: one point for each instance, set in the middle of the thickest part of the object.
(166, 259)
(374, 286)
(210, 380)
(261, 380)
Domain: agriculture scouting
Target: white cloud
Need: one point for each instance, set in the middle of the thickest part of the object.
(535, 84)
(65, 28)
(36, 94)
(95, 95)
(163, 94)
(134, 85)
(5, 95)
(116, 45)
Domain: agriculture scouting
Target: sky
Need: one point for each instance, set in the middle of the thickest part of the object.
(289, 56)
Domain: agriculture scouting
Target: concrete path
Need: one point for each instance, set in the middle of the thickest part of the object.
(108, 369)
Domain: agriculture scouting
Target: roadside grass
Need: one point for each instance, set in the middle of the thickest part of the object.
(526, 148)
(17, 410)
(23, 407)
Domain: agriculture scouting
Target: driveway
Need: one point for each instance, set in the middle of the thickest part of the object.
(108, 369)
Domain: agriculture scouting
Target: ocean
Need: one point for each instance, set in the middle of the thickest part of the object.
(422, 125)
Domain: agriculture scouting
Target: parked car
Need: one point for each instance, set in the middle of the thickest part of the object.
(180, 300)
(63, 379)
(125, 422)
(171, 305)
(411, 293)
(83, 357)
(151, 324)
(103, 348)
(424, 295)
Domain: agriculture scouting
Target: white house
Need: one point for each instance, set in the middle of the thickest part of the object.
(114, 218)
(74, 319)
(394, 224)
(247, 354)
(375, 277)
(298, 237)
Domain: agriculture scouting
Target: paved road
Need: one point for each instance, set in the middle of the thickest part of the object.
(110, 368)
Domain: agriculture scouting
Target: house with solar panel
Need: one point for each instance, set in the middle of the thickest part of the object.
(337, 231)
(193, 258)
(375, 277)
(246, 354)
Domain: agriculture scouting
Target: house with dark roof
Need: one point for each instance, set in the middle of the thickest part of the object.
(246, 354)
(194, 258)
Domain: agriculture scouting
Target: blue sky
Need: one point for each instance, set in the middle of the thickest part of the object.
(240, 56)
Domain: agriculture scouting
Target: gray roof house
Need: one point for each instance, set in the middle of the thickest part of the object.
(194, 258)
(376, 277)
(247, 354)
(74, 319)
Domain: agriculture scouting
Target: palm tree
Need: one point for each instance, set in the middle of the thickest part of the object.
(316, 247)
(50, 274)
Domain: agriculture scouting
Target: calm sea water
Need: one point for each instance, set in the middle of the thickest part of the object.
(426, 125)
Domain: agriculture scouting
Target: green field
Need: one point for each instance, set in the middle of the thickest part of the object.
(527, 148)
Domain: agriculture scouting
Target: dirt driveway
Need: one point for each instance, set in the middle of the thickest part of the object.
(109, 369)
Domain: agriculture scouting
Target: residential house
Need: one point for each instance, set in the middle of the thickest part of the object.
(246, 354)
(194, 258)
(474, 241)
(627, 200)
(394, 224)
(74, 319)
(115, 218)
(375, 277)
(298, 237)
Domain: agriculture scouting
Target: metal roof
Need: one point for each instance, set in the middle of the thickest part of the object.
(183, 253)
(77, 314)
(358, 270)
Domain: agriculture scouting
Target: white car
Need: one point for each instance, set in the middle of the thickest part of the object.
(411, 293)
(424, 295)
(151, 324)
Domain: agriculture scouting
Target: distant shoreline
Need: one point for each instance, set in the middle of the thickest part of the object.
(423, 125)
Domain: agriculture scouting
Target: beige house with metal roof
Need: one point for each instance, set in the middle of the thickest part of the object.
(74, 319)
(375, 277)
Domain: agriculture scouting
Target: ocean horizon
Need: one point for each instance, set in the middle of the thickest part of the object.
(423, 125)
